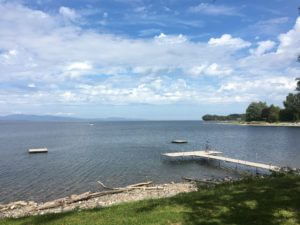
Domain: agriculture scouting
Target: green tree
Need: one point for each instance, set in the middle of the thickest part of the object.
(265, 113)
(273, 115)
(292, 105)
(254, 111)
(286, 115)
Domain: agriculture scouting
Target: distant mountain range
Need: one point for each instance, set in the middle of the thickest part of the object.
(50, 118)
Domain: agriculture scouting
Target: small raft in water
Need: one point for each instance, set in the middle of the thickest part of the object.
(38, 150)
(179, 141)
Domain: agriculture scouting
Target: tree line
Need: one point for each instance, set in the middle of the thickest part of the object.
(260, 111)
(231, 117)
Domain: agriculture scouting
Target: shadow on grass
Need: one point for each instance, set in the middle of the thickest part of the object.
(51, 218)
(275, 200)
(46, 219)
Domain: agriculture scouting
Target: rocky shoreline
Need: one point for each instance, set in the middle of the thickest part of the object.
(263, 124)
(105, 198)
(131, 193)
(29, 208)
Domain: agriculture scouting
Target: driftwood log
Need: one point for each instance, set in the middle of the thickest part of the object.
(88, 195)
(200, 181)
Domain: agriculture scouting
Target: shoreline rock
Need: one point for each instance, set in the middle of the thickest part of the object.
(22, 208)
(89, 200)
(262, 124)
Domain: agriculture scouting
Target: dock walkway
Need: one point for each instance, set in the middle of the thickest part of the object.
(215, 155)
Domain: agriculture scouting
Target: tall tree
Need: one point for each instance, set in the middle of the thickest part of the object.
(292, 103)
(273, 114)
(254, 111)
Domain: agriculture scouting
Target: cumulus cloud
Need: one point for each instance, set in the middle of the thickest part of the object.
(228, 40)
(72, 65)
(77, 69)
(290, 41)
(170, 39)
(68, 13)
(263, 47)
(211, 70)
(273, 87)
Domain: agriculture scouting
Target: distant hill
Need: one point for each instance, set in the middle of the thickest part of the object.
(50, 118)
(25, 117)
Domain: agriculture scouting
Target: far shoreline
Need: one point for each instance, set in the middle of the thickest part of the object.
(259, 123)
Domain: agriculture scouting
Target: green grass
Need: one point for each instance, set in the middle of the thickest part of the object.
(274, 200)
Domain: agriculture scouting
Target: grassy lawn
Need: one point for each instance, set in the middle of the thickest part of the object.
(274, 200)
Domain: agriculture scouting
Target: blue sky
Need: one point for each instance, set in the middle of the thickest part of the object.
(146, 59)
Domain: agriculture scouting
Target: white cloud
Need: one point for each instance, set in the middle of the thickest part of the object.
(269, 26)
(211, 70)
(68, 13)
(77, 69)
(7, 56)
(290, 41)
(68, 96)
(57, 56)
(263, 47)
(31, 85)
(170, 39)
(197, 70)
(228, 40)
(214, 69)
(272, 87)
(79, 66)
(214, 9)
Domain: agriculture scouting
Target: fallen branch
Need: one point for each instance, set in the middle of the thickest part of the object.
(140, 184)
(199, 181)
(88, 195)
(105, 187)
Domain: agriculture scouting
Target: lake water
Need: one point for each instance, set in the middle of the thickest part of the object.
(122, 153)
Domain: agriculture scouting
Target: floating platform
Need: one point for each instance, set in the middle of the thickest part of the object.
(38, 150)
(215, 155)
(179, 141)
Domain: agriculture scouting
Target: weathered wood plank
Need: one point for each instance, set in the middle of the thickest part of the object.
(214, 155)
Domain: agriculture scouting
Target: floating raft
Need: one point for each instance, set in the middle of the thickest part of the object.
(38, 150)
(179, 141)
(215, 155)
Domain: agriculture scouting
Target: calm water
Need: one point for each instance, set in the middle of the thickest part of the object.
(121, 153)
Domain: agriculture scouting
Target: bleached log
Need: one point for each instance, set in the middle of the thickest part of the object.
(199, 181)
(105, 187)
(139, 184)
(88, 195)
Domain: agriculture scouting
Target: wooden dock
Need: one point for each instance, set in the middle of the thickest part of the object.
(215, 155)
